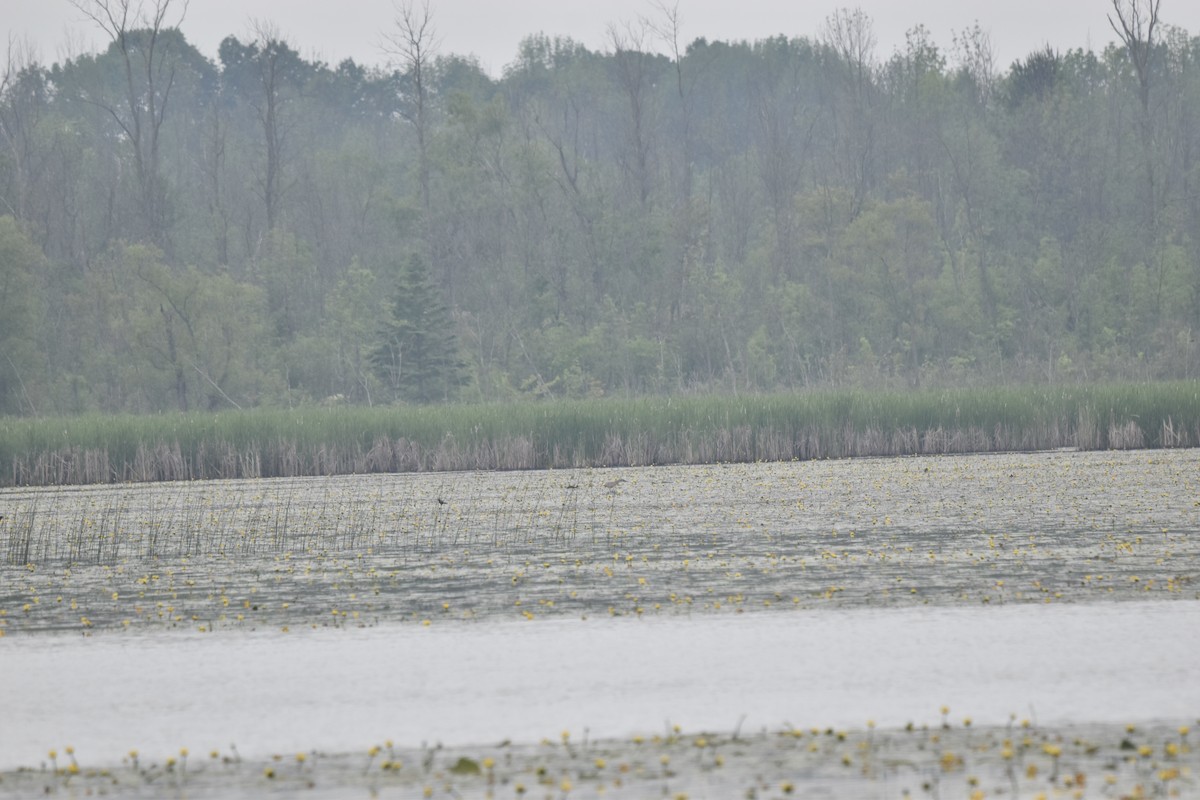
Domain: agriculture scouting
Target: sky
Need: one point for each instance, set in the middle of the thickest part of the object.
(491, 30)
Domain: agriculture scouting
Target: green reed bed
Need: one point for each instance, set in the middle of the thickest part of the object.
(597, 432)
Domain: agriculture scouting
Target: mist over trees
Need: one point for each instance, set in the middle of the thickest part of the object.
(663, 215)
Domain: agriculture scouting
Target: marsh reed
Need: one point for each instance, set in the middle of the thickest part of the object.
(601, 432)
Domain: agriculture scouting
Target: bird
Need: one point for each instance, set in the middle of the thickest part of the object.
(614, 483)
(441, 502)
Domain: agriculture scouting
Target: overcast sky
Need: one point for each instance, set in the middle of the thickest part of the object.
(491, 29)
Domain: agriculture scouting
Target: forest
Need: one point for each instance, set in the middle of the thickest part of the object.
(663, 215)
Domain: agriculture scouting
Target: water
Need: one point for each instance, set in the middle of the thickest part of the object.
(464, 683)
(285, 617)
(254, 555)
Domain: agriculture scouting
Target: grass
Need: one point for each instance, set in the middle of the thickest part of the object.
(599, 432)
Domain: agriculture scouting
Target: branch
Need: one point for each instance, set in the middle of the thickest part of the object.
(213, 383)
(415, 38)
(117, 17)
(104, 14)
(1132, 28)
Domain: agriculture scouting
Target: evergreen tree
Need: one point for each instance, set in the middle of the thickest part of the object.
(418, 355)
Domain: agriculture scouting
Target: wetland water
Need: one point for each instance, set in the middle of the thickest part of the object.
(329, 614)
(338, 691)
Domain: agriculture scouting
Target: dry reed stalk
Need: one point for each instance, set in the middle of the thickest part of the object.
(1126, 437)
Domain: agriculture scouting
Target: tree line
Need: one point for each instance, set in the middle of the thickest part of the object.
(659, 215)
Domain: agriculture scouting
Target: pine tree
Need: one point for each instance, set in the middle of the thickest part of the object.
(418, 354)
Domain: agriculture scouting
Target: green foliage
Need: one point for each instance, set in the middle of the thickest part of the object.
(601, 431)
(465, 766)
(159, 337)
(20, 312)
(793, 213)
(417, 355)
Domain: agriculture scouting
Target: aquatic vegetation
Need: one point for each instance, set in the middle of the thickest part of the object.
(573, 434)
(447, 549)
(912, 761)
(753, 538)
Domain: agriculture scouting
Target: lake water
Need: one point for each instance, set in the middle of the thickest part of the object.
(340, 690)
(284, 617)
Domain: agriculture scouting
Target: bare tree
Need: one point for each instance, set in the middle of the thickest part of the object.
(667, 26)
(414, 43)
(560, 117)
(1135, 23)
(271, 57)
(137, 33)
(22, 104)
(851, 36)
(783, 129)
(975, 55)
(633, 72)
